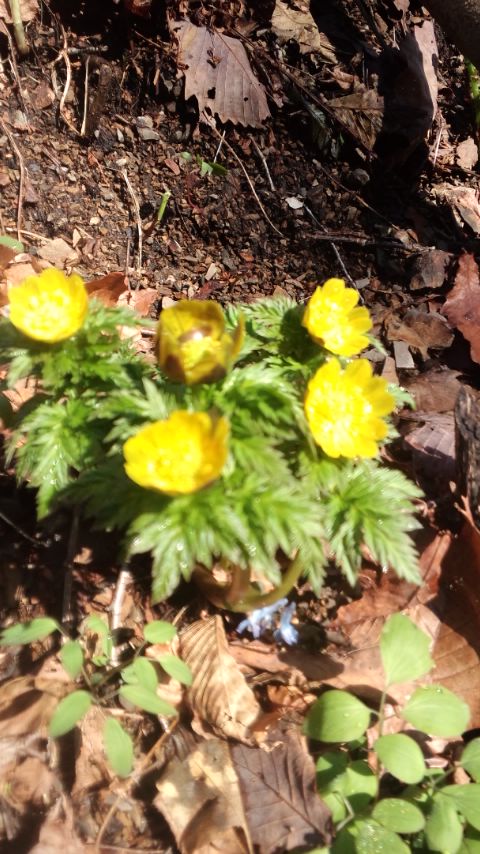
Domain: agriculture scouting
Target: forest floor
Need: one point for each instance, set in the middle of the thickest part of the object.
(362, 166)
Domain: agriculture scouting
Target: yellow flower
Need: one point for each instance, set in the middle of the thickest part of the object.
(193, 346)
(344, 409)
(49, 307)
(180, 455)
(333, 320)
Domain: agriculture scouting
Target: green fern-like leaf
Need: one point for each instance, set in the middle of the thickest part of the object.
(53, 442)
(366, 504)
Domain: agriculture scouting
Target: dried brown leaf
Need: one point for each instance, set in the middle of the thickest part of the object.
(107, 289)
(59, 253)
(219, 694)
(293, 20)
(434, 391)
(462, 306)
(466, 154)
(420, 329)
(430, 269)
(362, 113)
(58, 834)
(218, 74)
(283, 809)
(24, 709)
(199, 796)
(463, 201)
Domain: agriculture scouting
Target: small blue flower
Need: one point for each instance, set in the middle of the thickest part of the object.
(264, 619)
(286, 631)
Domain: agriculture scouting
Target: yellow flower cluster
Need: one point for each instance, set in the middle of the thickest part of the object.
(180, 455)
(333, 320)
(344, 407)
(49, 307)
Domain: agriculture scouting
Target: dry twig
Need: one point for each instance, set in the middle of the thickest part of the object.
(21, 185)
(211, 122)
(138, 219)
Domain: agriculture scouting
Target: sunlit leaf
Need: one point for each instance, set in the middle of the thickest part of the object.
(147, 700)
(71, 656)
(176, 668)
(401, 756)
(437, 711)
(69, 711)
(443, 829)
(470, 760)
(23, 633)
(399, 815)
(404, 649)
(118, 747)
(159, 631)
(337, 716)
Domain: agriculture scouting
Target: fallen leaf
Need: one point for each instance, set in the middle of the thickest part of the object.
(108, 289)
(462, 306)
(219, 694)
(218, 74)
(434, 391)
(361, 113)
(420, 329)
(16, 273)
(172, 165)
(466, 154)
(293, 20)
(42, 96)
(283, 810)
(24, 709)
(430, 269)
(463, 201)
(59, 253)
(58, 834)
(199, 796)
(28, 10)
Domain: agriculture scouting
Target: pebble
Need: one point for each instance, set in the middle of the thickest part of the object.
(148, 135)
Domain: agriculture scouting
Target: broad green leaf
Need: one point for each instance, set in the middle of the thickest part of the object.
(470, 760)
(159, 631)
(337, 716)
(118, 747)
(404, 649)
(336, 805)
(147, 700)
(471, 842)
(329, 766)
(71, 656)
(176, 668)
(11, 243)
(467, 801)
(443, 829)
(96, 625)
(399, 815)
(23, 633)
(401, 756)
(344, 842)
(372, 837)
(358, 784)
(68, 712)
(437, 711)
(141, 672)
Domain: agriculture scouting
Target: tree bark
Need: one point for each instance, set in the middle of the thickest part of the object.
(460, 20)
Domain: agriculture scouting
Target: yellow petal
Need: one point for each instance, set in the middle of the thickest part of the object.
(179, 455)
(50, 307)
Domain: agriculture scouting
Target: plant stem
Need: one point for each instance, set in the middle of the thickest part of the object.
(18, 28)
(254, 599)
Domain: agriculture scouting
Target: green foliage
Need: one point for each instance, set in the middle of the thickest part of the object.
(372, 813)
(87, 660)
(118, 747)
(69, 712)
(278, 493)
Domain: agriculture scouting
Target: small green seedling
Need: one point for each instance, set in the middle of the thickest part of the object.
(87, 662)
(396, 803)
